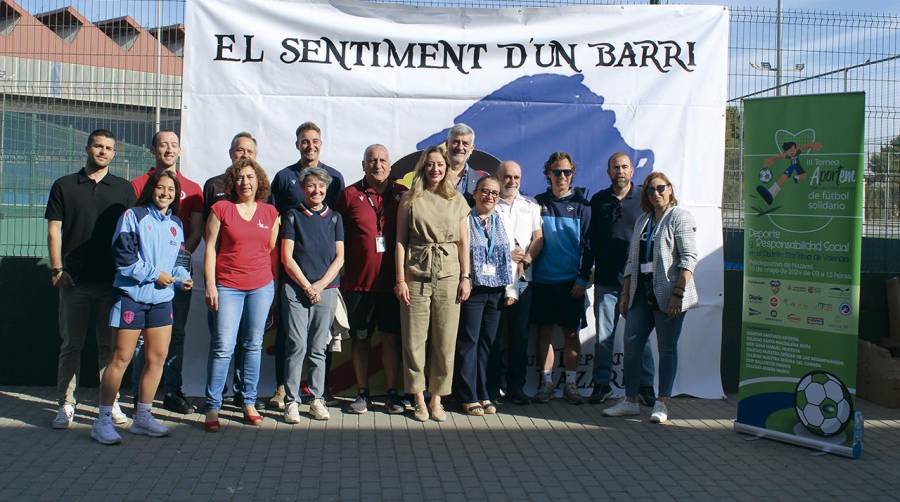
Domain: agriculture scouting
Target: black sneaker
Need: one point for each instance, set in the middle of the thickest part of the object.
(394, 403)
(361, 404)
(646, 396)
(260, 404)
(601, 393)
(518, 397)
(176, 402)
(331, 400)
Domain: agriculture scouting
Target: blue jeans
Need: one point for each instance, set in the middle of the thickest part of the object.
(171, 377)
(237, 382)
(251, 307)
(607, 318)
(640, 322)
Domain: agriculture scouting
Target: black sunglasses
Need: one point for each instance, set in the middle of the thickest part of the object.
(660, 189)
(563, 172)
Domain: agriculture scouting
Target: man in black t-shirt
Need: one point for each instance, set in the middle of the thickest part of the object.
(82, 212)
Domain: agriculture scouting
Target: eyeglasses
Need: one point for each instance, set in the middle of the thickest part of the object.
(489, 193)
(660, 189)
(563, 172)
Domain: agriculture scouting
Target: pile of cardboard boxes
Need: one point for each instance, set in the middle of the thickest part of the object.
(878, 372)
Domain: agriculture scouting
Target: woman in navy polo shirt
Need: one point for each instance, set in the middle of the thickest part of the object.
(312, 252)
(146, 247)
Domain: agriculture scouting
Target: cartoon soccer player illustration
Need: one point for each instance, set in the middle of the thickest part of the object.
(789, 150)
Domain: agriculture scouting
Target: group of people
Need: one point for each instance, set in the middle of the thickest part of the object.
(450, 272)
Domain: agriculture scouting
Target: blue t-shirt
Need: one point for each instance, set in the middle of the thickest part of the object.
(314, 234)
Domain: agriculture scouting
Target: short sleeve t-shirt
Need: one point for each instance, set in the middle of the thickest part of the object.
(314, 234)
(89, 212)
(368, 214)
(191, 197)
(243, 259)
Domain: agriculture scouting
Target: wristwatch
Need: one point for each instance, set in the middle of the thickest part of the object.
(55, 271)
(465, 276)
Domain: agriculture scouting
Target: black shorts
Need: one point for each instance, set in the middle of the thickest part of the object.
(368, 311)
(553, 305)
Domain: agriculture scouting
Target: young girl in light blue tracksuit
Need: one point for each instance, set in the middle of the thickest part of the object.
(148, 247)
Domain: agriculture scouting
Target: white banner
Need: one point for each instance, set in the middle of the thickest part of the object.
(589, 80)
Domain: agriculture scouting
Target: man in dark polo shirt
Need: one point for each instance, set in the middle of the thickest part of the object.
(82, 212)
(166, 149)
(243, 146)
(613, 214)
(369, 210)
(287, 194)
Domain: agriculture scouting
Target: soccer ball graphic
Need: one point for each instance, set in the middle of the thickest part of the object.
(765, 175)
(822, 403)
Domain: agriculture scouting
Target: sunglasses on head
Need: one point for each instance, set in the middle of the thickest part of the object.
(660, 189)
(563, 172)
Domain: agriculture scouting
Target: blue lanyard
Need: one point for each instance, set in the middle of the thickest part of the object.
(492, 239)
(648, 254)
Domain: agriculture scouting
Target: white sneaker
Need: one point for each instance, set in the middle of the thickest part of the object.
(144, 424)
(660, 413)
(63, 418)
(318, 410)
(292, 413)
(623, 408)
(118, 416)
(104, 432)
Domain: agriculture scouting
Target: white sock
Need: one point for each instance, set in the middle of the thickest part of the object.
(547, 376)
(105, 411)
(570, 376)
(775, 189)
(144, 408)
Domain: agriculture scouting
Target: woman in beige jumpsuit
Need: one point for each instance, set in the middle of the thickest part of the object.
(432, 279)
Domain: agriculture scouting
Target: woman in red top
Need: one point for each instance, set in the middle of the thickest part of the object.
(240, 236)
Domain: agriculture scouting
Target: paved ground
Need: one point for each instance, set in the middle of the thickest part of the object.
(535, 452)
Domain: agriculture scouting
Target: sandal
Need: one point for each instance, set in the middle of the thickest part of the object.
(211, 425)
(489, 408)
(474, 409)
(251, 419)
(421, 412)
(438, 414)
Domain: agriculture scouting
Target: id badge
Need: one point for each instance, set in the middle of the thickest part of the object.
(488, 270)
(380, 245)
(647, 268)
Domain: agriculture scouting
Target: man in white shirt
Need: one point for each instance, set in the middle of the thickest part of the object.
(522, 220)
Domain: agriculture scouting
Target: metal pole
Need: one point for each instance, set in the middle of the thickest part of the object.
(159, 59)
(778, 52)
(845, 79)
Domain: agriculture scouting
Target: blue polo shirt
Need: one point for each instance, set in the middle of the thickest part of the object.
(612, 223)
(288, 194)
(314, 234)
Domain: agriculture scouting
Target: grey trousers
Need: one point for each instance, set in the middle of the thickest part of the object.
(308, 334)
(76, 305)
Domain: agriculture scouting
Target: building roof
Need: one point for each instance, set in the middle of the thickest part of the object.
(65, 35)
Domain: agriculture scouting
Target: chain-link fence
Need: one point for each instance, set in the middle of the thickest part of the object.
(67, 71)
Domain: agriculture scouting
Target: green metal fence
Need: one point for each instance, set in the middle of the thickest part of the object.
(44, 123)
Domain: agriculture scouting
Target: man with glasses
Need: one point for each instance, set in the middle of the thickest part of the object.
(559, 277)
(521, 217)
(613, 214)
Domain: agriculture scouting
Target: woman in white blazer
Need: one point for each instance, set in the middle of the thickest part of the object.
(657, 291)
